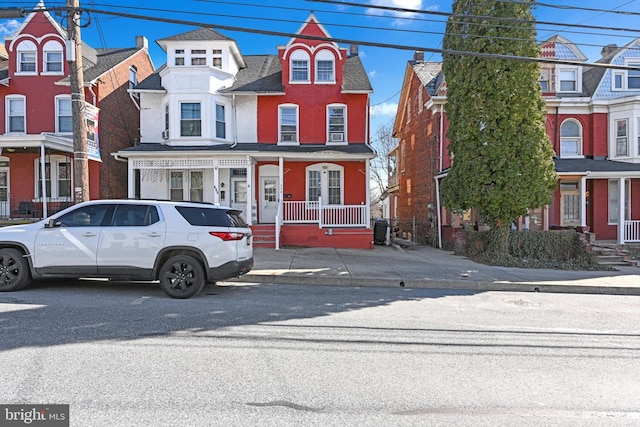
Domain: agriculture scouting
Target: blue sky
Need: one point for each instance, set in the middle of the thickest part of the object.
(385, 66)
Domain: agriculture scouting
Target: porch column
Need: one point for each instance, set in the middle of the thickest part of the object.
(367, 212)
(280, 179)
(250, 195)
(216, 185)
(43, 181)
(131, 178)
(621, 211)
(583, 201)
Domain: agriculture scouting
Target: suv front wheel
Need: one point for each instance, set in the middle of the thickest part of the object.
(181, 276)
(14, 270)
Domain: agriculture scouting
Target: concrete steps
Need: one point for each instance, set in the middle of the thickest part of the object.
(613, 256)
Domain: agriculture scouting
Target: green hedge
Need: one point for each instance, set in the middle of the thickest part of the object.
(563, 249)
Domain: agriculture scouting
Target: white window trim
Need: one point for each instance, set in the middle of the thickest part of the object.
(26, 46)
(326, 56)
(627, 196)
(224, 120)
(299, 55)
(614, 147)
(57, 109)
(8, 116)
(187, 176)
(323, 168)
(579, 154)
(578, 74)
(201, 119)
(344, 133)
(54, 166)
(52, 47)
(629, 62)
(297, 108)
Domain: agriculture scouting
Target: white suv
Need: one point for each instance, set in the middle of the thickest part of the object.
(182, 244)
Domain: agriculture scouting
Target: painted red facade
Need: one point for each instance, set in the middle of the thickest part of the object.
(37, 89)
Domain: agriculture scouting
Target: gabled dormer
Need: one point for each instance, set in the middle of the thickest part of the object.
(561, 79)
(312, 62)
(37, 47)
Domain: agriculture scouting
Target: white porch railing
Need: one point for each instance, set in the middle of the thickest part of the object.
(632, 231)
(325, 215)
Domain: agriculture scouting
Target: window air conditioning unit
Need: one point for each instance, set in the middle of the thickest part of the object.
(165, 134)
(336, 136)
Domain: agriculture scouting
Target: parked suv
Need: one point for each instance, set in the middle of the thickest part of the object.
(182, 244)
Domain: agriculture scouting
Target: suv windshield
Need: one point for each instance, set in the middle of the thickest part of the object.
(212, 217)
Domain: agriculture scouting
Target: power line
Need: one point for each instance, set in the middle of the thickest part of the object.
(571, 7)
(465, 16)
(356, 42)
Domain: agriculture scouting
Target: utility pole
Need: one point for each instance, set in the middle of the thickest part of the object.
(76, 76)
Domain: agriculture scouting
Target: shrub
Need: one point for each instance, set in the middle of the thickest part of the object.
(534, 249)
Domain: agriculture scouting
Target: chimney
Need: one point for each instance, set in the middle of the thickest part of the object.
(142, 42)
(353, 50)
(418, 56)
(608, 49)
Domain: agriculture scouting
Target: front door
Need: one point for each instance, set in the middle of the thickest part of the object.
(268, 199)
(239, 194)
(5, 203)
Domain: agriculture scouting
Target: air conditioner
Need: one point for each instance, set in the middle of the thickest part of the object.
(336, 136)
(165, 134)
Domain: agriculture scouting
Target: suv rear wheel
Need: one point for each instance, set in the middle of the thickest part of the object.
(14, 270)
(181, 276)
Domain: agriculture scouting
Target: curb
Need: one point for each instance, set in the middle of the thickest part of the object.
(478, 286)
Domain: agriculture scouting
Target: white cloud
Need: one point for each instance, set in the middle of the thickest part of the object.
(402, 4)
(8, 26)
(384, 109)
(372, 74)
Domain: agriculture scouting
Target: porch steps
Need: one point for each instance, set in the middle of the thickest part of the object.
(613, 256)
(264, 236)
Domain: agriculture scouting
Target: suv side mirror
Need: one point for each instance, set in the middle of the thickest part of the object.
(51, 223)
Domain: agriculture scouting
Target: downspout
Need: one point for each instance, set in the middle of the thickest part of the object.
(366, 120)
(441, 137)
(235, 120)
(43, 182)
(555, 134)
(438, 207)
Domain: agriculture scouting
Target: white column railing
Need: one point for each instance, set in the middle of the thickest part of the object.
(300, 212)
(632, 231)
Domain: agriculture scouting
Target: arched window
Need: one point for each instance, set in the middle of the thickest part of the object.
(325, 67)
(570, 138)
(27, 57)
(325, 180)
(299, 67)
(52, 52)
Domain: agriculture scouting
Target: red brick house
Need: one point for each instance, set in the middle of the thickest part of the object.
(593, 123)
(36, 127)
(283, 137)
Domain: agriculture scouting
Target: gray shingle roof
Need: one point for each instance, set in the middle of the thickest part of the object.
(262, 74)
(106, 60)
(200, 34)
(428, 73)
(355, 78)
(594, 165)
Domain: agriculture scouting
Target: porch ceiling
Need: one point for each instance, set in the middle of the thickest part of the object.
(258, 151)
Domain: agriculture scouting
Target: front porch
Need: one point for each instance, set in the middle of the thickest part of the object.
(310, 223)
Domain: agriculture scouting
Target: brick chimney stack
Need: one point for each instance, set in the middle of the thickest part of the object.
(418, 56)
(353, 50)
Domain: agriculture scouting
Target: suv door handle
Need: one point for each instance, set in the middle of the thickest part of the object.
(89, 234)
(155, 234)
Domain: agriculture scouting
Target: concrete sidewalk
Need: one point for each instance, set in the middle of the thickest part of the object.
(426, 267)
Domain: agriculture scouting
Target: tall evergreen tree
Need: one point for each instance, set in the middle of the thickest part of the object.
(502, 157)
